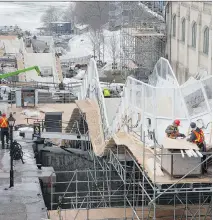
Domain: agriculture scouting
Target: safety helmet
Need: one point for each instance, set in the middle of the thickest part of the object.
(193, 125)
(177, 122)
(3, 115)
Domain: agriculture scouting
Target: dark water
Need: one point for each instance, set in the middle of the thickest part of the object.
(27, 15)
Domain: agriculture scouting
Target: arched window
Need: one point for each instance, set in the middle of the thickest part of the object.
(183, 29)
(206, 40)
(194, 34)
(174, 26)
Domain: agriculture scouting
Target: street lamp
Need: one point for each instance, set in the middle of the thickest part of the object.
(11, 122)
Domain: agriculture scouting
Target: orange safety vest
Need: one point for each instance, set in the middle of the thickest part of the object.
(199, 136)
(3, 122)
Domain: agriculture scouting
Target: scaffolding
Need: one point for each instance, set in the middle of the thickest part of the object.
(142, 39)
(119, 184)
(141, 195)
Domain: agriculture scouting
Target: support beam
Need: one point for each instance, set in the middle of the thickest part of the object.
(64, 136)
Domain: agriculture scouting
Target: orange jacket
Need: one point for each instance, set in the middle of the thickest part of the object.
(199, 136)
(3, 122)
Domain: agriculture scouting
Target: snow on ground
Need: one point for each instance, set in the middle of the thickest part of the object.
(81, 46)
(80, 75)
(71, 80)
(29, 113)
(25, 129)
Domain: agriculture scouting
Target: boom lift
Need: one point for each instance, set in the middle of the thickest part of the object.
(3, 76)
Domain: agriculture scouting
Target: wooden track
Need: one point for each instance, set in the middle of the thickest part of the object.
(165, 212)
(136, 147)
(93, 117)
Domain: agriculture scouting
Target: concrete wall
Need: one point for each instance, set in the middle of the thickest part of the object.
(186, 60)
(65, 161)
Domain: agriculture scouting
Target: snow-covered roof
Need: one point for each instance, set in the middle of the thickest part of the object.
(60, 22)
(41, 60)
(11, 44)
(71, 80)
(81, 26)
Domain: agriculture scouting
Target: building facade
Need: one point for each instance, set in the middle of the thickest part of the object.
(189, 34)
(61, 27)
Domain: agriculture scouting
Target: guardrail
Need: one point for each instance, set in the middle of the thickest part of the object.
(91, 89)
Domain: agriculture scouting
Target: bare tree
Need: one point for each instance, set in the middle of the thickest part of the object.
(93, 40)
(95, 14)
(113, 43)
(99, 42)
(69, 14)
(51, 14)
(96, 39)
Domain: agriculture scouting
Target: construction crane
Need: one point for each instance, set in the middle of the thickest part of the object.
(6, 75)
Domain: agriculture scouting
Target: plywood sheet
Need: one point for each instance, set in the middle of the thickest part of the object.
(178, 144)
(137, 148)
(100, 213)
(66, 110)
(93, 117)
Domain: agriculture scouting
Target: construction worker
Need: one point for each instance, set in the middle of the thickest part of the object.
(197, 137)
(172, 131)
(4, 130)
(106, 93)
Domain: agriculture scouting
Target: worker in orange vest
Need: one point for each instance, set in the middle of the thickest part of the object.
(197, 137)
(4, 130)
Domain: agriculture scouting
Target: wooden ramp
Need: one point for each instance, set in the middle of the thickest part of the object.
(91, 109)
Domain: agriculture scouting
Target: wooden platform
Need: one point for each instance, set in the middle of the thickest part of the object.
(93, 117)
(163, 212)
(63, 136)
(136, 148)
(178, 144)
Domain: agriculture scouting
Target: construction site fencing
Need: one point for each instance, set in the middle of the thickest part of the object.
(163, 103)
(43, 85)
(77, 60)
(91, 89)
(59, 97)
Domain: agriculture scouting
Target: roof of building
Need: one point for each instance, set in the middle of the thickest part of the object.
(41, 60)
(11, 44)
(81, 27)
(60, 22)
(5, 37)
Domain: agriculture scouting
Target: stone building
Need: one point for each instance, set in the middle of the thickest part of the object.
(189, 34)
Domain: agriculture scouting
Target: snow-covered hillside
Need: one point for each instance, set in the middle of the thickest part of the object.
(80, 46)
